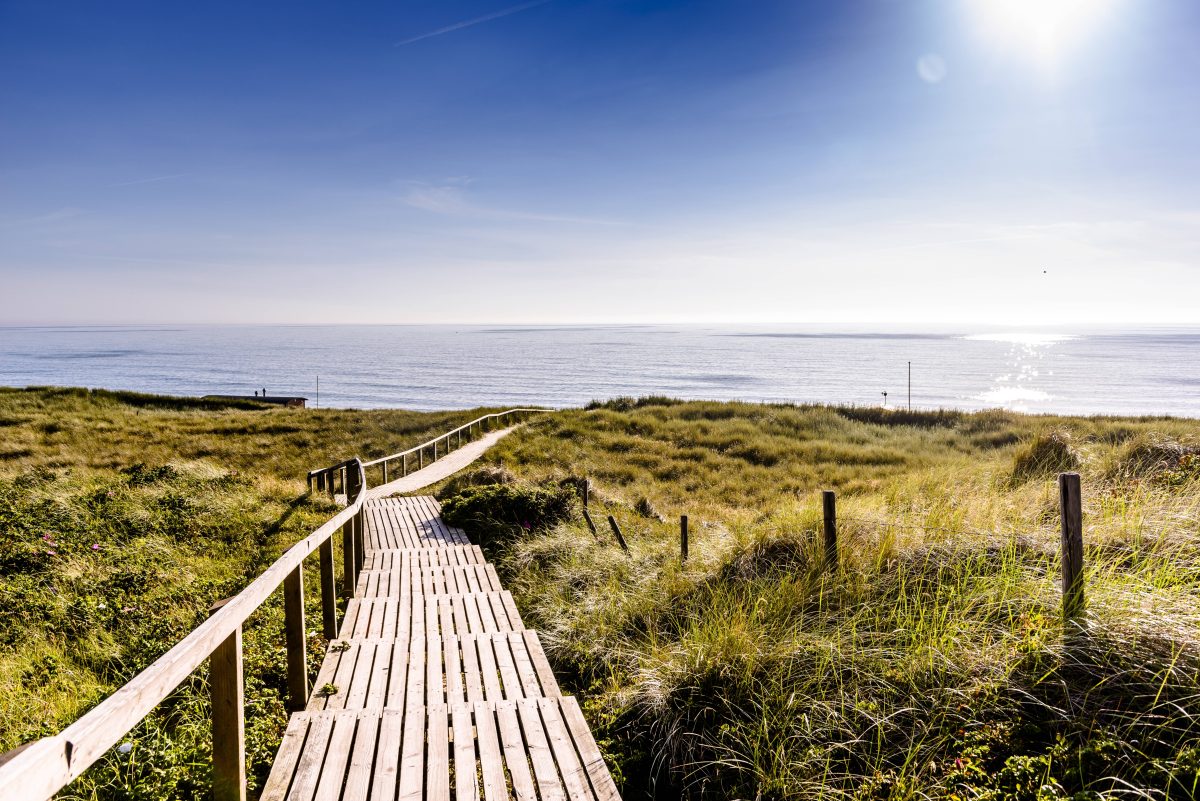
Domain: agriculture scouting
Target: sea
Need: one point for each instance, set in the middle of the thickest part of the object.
(1144, 371)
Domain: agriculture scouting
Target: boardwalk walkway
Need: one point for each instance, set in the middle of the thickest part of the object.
(445, 467)
(434, 689)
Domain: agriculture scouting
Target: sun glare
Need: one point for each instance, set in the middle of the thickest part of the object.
(1048, 27)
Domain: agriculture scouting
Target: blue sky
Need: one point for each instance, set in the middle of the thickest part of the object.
(589, 161)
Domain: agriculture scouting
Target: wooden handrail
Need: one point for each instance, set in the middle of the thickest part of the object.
(446, 436)
(44, 767)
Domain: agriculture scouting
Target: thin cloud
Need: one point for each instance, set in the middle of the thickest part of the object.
(458, 26)
(450, 200)
(153, 180)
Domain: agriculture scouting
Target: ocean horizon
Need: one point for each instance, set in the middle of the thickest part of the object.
(1133, 371)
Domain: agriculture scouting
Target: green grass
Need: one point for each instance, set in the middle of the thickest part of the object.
(934, 664)
(123, 518)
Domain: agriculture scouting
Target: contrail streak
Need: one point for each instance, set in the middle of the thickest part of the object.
(458, 26)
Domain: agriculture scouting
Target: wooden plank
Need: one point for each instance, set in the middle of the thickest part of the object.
(437, 771)
(510, 607)
(541, 664)
(466, 774)
(523, 663)
(333, 771)
(308, 769)
(491, 763)
(434, 687)
(515, 756)
(397, 685)
(284, 766)
(470, 656)
(362, 760)
(585, 744)
(387, 755)
(492, 690)
(574, 777)
(508, 670)
(454, 683)
(540, 756)
(412, 755)
(355, 695)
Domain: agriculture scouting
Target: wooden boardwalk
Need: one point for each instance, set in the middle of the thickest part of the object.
(444, 467)
(434, 689)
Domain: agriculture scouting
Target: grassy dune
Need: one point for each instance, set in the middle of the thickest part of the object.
(933, 665)
(123, 518)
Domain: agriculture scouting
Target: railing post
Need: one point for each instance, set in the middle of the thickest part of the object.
(1071, 503)
(227, 692)
(404, 465)
(829, 504)
(328, 591)
(420, 458)
(348, 560)
(293, 624)
(683, 539)
(360, 549)
(385, 473)
(435, 442)
(612, 522)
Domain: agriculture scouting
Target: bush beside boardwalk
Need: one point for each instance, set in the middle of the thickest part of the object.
(932, 665)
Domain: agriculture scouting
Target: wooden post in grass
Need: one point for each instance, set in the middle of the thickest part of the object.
(683, 539)
(617, 531)
(227, 691)
(829, 508)
(328, 591)
(1071, 502)
(293, 624)
(587, 518)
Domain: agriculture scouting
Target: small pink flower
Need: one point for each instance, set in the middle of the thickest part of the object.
(95, 546)
(51, 553)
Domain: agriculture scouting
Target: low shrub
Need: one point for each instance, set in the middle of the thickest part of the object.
(1044, 456)
(497, 513)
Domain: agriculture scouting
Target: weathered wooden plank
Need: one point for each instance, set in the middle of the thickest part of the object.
(602, 782)
(574, 777)
(549, 786)
(541, 664)
(387, 755)
(333, 771)
(437, 758)
(491, 763)
(286, 758)
(515, 752)
(466, 781)
(308, 769)
(362, 760)
(412, 755)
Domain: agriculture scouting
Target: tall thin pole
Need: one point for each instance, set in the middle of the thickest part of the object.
(910, 386)
(318, 392)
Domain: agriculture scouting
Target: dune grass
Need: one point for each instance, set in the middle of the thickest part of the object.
(123, 518)
(934, 664)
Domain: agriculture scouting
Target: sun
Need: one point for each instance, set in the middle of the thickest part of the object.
(1047, 26)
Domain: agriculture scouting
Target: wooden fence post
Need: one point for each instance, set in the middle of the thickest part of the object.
(328, 591)
(829, 509)
(359, 544)
(421, 459)
(404, 465)
(1071, 503)
(586, 491)
(683, 539)
(227, 692)
(293, 624)
(587, 518)
(435, 451)
(617, 531)
(347, 561)
(385, 473)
